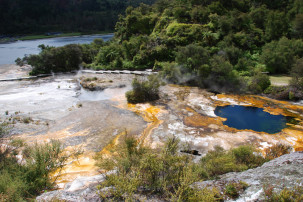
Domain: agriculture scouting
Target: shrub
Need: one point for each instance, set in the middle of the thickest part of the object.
(287, 194)
(222, 76)
(22, 181)
(27, 120)
(3, 129)
(296, 82)
(233, 190)
(144, 91)
(206, 194)
(246, 155)
(51, 59)
(259, 83)
(192, 57)
(278, 92)
(219, 161)
(277, 150)
(20, 62)
(137, 168)
(169, 173)
(17, 142)
(279, 56)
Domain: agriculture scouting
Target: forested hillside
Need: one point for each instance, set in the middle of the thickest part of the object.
(216, 44)
(36, 16)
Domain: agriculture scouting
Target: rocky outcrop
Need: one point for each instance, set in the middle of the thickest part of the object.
(94, 83)
(82, 189)
(283, 172)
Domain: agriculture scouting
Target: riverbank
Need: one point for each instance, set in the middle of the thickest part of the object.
(9, 52)
(50, 35)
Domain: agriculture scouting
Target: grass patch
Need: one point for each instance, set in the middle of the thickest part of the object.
(280, 80)
(43, 36)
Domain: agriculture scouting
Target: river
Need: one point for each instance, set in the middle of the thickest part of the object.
(9, 52)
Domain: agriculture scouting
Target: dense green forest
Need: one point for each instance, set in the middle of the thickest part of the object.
(225, 46)
(36, 16)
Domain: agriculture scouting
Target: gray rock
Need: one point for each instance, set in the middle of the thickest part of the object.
(80, 190)
(283, 172)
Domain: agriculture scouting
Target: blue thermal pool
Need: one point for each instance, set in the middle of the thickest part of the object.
(252, 118)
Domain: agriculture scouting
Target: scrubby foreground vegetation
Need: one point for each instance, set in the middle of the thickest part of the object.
(25, 170)
(22, 179)
(225, 46)
(168, 174)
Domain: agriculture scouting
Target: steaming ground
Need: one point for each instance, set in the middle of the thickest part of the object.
(58, 108)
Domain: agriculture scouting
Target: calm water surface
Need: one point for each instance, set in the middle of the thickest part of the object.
(9, 52)
(252, 118)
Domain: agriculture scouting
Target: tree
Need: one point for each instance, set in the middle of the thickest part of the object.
(192, 57)
(222, 76)
(297, 77)
(258, 15)
(279, 56)
(298, 25)
(276, 25)
(51, 59)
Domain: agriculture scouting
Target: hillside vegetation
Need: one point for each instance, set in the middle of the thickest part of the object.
(225, 46)
(36, 16)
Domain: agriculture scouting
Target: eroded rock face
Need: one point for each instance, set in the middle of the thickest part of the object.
(283, 172)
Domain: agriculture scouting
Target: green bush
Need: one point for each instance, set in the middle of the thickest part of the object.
(287, 194)
(219, 161)
(170, 72)
(259, 83)
(23, 181)
(277, 150)
(51, 59)
(20, 62)
(279, 56)
(144, 91)
(233, 190)
(3, 129)
(108, 55)
(222, 76)
(206, 194)
(192, 57)
(297, 75)
(137, 168)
